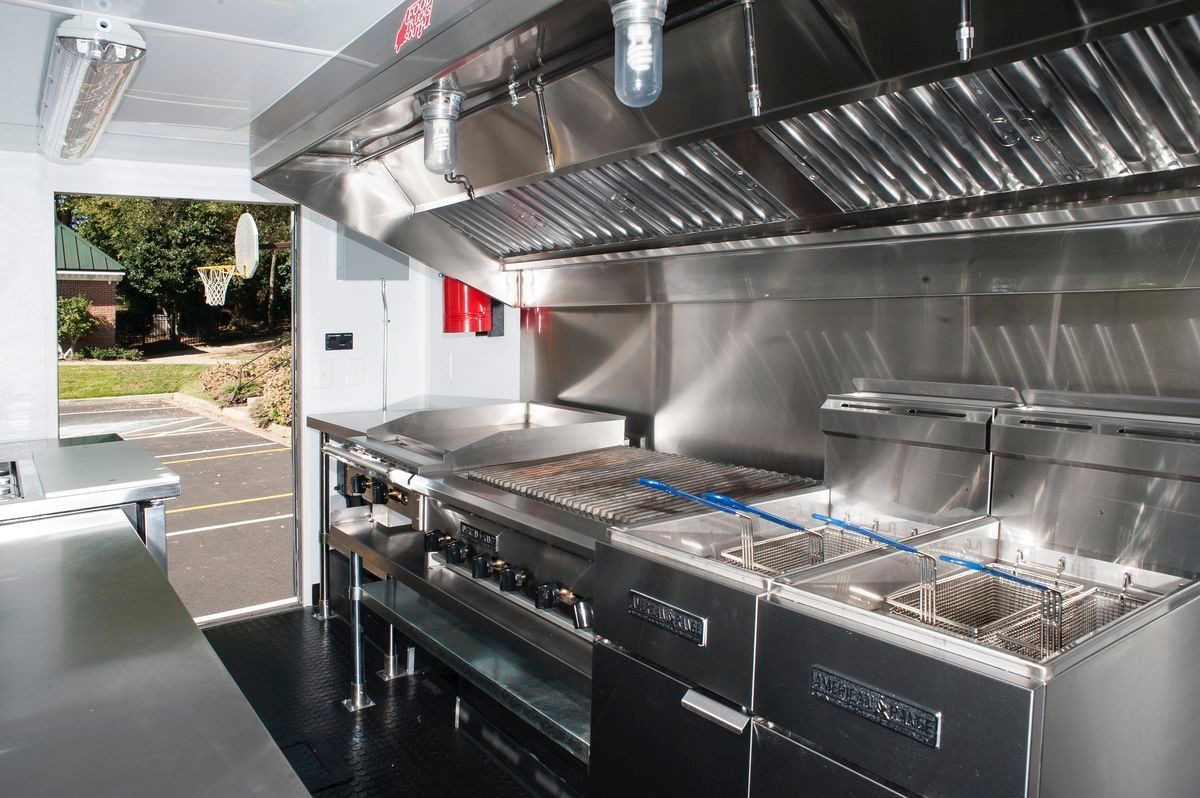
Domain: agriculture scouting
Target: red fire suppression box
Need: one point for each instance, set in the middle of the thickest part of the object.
(465, 309)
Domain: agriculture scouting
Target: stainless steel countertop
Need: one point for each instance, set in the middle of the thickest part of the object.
(107, 687)
(62, 476)
(356, 422)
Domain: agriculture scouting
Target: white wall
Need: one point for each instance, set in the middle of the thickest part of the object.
(331, 382)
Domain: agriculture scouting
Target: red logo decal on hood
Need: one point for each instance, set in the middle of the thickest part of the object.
(416, 21)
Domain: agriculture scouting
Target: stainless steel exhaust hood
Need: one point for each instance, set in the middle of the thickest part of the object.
(868, 119)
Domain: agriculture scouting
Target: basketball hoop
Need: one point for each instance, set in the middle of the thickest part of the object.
(216, 282)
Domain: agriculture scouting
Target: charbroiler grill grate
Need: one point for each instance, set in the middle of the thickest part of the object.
(600, 484)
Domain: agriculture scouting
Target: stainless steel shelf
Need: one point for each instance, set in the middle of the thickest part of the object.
(398, 552)
(553, 707)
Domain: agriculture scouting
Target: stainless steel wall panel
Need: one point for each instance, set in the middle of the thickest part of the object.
(742, 382)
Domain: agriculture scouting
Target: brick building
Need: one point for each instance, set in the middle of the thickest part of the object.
(83, 270)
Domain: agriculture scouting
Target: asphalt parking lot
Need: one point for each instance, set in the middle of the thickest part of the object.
(229, 536)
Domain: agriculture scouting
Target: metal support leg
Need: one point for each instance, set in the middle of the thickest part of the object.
(397, 663)
(358, 697)
(322, 609)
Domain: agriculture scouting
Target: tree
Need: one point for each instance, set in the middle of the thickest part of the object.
(75, 320)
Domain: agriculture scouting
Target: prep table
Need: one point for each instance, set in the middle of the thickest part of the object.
(51, 477)
(106, 684)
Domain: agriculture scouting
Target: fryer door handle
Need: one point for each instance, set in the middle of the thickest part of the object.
(712, 710)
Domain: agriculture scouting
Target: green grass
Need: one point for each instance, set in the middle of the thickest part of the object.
(91, 382)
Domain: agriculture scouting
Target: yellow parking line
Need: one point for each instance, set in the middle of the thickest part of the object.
(221, 456)
(228, 503)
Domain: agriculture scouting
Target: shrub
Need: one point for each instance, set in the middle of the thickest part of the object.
(238, 391)
(111, 353)
(75, 320)
(269, 376)
(260, 414)
(277, 397)
(217, 377)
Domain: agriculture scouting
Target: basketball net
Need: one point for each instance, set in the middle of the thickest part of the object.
(216, 282)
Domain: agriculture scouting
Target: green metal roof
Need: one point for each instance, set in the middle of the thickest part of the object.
(75, 254)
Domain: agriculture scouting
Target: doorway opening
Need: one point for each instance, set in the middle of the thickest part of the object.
(201, 379)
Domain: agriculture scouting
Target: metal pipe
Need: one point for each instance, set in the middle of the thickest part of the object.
(358, 698)
(753, 91)
(462, 181)
(965, 35)
(323, 613)
(539, 90)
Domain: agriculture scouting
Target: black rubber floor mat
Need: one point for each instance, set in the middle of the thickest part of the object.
(295, 671)
(316, 763)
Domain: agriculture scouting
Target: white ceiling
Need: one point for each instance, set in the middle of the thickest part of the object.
(211, 66)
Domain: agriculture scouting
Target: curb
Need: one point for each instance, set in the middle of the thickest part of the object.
(275, 432)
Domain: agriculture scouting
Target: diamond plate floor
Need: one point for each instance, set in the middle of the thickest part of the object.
(295, 672)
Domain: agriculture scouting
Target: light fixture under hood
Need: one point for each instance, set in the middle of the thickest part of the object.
(91, 64)
(440, 107)
(637, 62)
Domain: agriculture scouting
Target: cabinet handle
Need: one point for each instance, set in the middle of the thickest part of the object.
(712, 710)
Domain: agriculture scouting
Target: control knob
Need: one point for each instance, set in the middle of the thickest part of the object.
(546, 596)
(511, 578)
(379, 492)
(583, 614)
(455, 552)
(358, 485)
(435, 540)
(481, 566)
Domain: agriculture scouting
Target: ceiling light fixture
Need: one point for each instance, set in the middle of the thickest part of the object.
(91, 64)
(637, 63)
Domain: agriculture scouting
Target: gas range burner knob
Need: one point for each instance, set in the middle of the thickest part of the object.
(358, 485)
(546, 596)
(455, 552)
(511, 579)
(481, 566)
(584, 615)
(434, 541)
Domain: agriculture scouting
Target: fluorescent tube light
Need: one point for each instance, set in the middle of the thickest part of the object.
(92, 62)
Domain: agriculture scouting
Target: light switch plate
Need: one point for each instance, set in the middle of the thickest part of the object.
(324, 375)
(354, 372)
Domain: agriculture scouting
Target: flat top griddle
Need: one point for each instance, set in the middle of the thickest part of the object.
(600, 484)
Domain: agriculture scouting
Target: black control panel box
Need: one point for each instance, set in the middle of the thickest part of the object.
(338, 341)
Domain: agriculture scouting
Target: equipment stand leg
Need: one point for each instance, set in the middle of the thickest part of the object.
(322, 612)
(358, 697)
(397, 663)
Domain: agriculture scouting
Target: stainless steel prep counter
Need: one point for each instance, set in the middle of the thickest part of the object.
(106, 685)
(53, 477)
